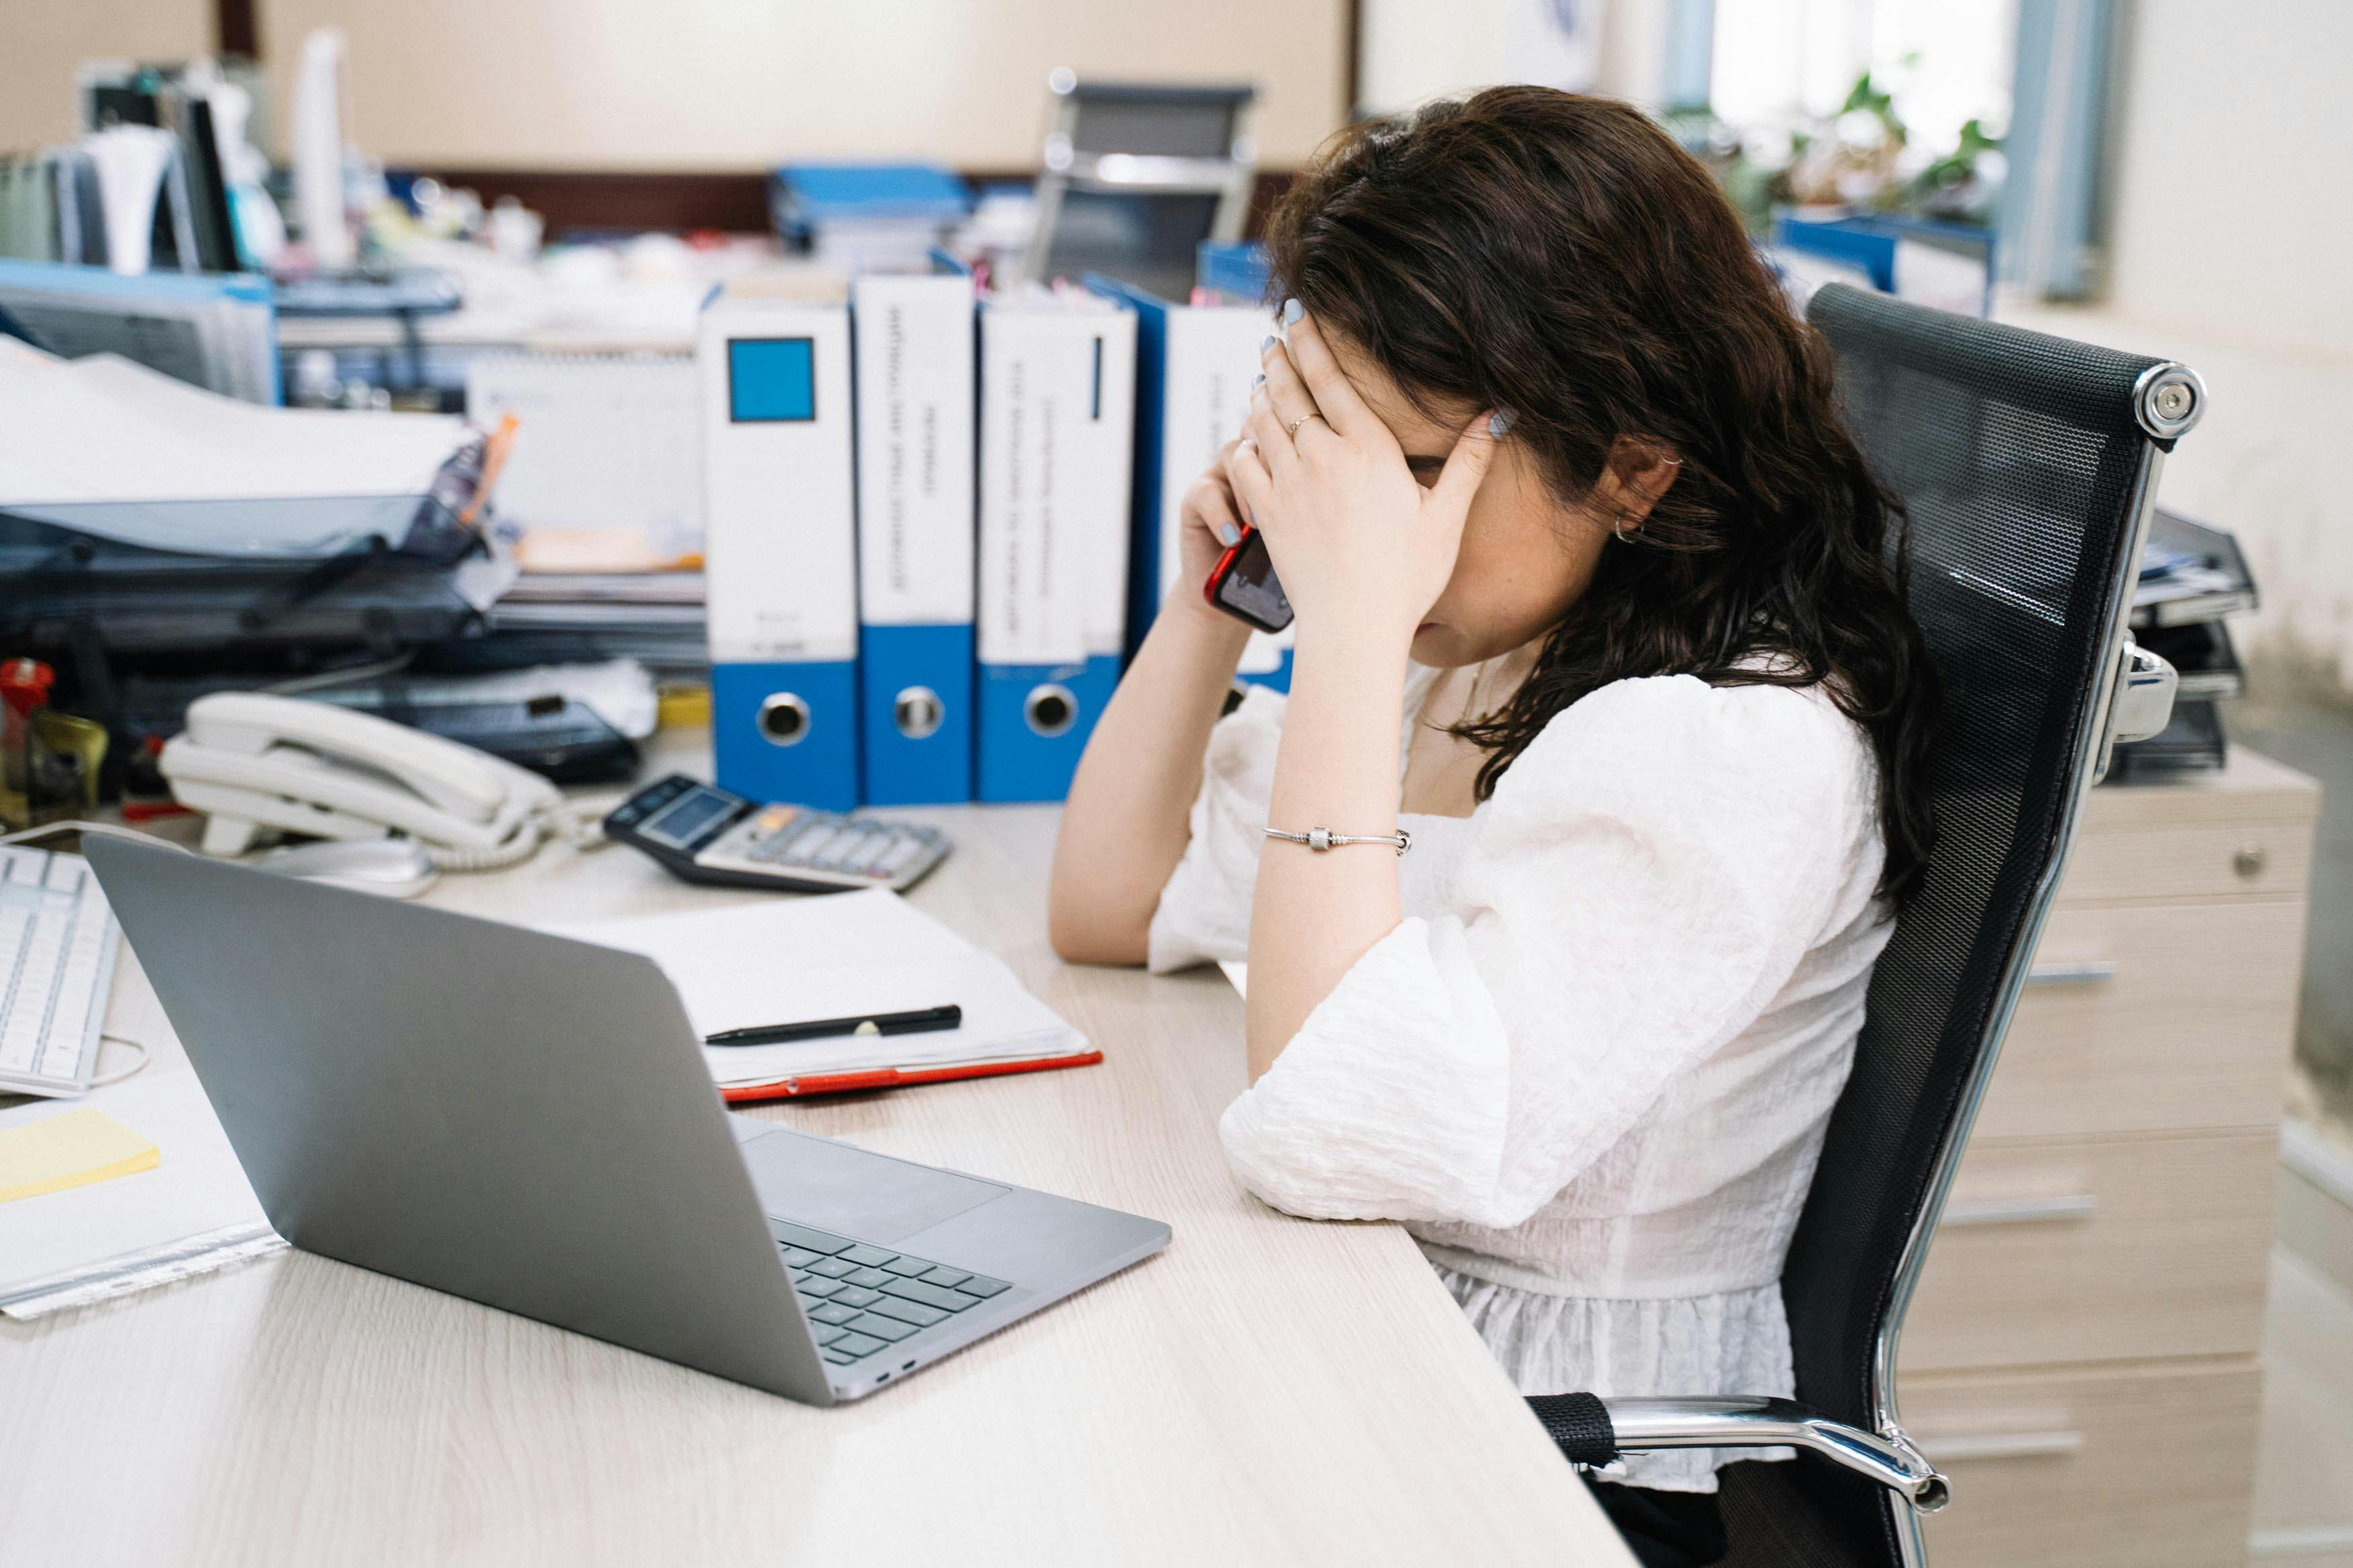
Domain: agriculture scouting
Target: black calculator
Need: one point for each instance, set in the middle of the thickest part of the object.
(705, 834)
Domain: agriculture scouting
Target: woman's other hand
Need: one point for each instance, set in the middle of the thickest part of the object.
(1356, 538)
(1209, 520)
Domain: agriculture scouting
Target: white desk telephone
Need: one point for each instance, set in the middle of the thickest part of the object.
(259, 765)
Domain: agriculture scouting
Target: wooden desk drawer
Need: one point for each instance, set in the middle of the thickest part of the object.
(2098, 1251)
(2228, 859)
(2137, 1467)
(2151, 1018)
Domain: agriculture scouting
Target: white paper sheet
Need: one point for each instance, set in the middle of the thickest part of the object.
(197, 1188)
(787, 960)
(101, 432)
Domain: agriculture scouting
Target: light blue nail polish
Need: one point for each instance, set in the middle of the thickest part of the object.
(1499, 423)
(1264, 346)
(1230, 533)
(1258, 380)
(1291, 311)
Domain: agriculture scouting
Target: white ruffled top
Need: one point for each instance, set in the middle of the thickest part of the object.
(1591, 1067)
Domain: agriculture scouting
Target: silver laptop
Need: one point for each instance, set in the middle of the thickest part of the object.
(526, 1122)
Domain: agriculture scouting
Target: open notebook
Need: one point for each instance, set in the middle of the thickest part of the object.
(846, 954)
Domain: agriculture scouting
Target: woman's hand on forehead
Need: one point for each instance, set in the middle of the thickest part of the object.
(1356, 538)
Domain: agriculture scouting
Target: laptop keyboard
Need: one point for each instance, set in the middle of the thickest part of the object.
(862, 1299)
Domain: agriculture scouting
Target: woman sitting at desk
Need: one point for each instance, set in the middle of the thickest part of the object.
(1593, 598)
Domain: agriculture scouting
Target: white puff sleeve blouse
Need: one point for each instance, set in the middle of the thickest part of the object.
(1591, 1067)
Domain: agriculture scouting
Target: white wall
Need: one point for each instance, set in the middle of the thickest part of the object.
(1417, 49)
(2233, 250)
(42, 41)
(746, 84)
(2234, 206)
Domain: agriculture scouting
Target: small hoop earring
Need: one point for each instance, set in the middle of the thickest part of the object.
(1618, 529)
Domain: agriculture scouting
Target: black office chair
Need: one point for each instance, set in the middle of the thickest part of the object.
(2028, 466)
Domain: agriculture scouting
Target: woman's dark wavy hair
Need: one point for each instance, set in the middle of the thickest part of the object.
(1558, 256)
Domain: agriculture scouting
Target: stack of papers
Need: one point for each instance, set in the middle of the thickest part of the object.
(2189, 574)
(136, 1187)
(842, 956)
(102, 438)
(654, 618)
(2192, 578)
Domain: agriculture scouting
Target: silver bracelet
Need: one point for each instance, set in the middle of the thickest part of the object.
(1322, 838)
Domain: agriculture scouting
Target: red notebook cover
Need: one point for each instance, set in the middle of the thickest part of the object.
(895, 1077)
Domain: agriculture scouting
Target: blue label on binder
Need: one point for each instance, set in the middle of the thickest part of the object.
(916, 709)
(1034, 723)
(786, 731)
(771, 380)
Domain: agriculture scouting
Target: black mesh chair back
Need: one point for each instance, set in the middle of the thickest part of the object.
(2026, 470)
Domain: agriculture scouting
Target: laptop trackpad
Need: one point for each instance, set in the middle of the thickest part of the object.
(868, 1197)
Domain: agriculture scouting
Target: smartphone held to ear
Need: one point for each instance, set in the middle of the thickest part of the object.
(1243, 584)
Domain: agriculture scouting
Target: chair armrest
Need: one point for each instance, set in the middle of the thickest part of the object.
(1594, 1431)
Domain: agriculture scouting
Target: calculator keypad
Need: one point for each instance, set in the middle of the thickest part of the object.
(850, 852)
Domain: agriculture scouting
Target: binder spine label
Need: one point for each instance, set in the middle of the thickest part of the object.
(1109, 437)
(1033, 575)
(915, 449)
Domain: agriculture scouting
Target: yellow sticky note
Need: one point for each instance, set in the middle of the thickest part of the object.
(69, 1151)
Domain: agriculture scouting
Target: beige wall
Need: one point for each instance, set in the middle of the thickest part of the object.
(746, 84)
(2231, 240)
(1419, 49)
(42, 41)
(2234, 204)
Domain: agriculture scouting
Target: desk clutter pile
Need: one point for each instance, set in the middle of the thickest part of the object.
(893, 526)
(937, 516)
(2193, 578)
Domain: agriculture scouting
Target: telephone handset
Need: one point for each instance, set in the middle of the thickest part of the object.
(256, 763)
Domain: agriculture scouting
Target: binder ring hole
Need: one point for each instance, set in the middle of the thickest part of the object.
(1051, 710)
(918, 711)
(784, 719)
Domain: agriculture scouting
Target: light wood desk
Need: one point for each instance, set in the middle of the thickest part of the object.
(1268, 1390)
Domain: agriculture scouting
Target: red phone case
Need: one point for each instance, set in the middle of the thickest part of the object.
(1215, 583)
(1224, 568)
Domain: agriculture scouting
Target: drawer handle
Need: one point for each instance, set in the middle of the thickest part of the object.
(2021, 1211)
(1960, 1447)
(2090, 974)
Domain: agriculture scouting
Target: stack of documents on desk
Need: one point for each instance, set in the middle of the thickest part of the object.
(837, 956)
(103, 436)
(2192, 579)
(654, 618)
(188, 1211)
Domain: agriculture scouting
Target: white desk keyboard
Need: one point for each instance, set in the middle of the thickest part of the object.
(57, 942)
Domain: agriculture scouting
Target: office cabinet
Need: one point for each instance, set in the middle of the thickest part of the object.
(2127, 1465)
(2081, 1357)
(2094, 1249)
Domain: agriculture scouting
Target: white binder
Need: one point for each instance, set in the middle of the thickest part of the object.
(1057, 429)
(781, 572)
(1195, 367)
(916, 418)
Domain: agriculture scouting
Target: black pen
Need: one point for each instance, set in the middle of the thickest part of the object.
(923, 1020)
